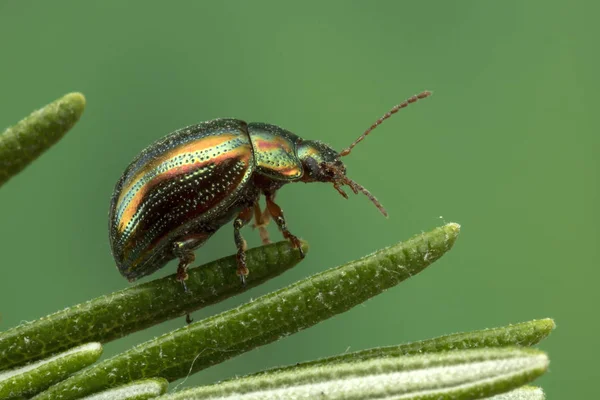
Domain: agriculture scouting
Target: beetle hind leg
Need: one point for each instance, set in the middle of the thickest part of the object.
(277, 215)
(242, 219)
(186, 257)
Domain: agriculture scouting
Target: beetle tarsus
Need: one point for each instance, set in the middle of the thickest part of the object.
(185, 288)
(188, 319)
(242, 219)
(186, 257)
(242, 279)
(242, 269)
(277, 214)
(298, 245)
(182, 275)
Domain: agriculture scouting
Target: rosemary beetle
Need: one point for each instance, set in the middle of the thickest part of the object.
(183, 188)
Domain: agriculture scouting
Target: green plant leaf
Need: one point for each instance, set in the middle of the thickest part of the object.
(30, 137)
(264, 320)
(522, 334)
(120, 313)
(524, 393)
(138, 390)
(39, 376)
(460, 374)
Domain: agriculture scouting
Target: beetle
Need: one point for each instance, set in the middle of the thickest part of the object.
(181, 189)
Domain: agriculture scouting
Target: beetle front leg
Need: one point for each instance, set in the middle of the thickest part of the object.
(242, 219)
(277, 215)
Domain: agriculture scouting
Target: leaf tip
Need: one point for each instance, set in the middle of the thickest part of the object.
(454, 227)
(538, 362)
(549, 323)
(543, 327)
(450, 233)
(76, 101)
(94, 348)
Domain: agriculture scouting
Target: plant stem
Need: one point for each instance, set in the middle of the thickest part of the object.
(264, 320)
(120, 313)
(460, 374)
(30, 137)
(37, 377)
(523, 334)
(524, 393)
(138, 390)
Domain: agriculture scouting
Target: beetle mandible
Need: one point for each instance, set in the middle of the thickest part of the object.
(180, 190)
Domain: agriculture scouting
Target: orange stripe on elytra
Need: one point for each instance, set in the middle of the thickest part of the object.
(198, 145)
(134, 203)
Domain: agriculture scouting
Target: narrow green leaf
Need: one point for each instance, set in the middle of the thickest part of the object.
(37, 377)
(264, 320)
(522, 334)
(30, 137)
(138, 390)
(460, 374)
(117, 314)
(524, 393)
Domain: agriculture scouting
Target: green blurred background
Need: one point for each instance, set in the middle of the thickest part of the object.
(506, 147)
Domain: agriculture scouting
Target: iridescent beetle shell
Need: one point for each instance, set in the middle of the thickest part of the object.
(187, 185)
(180, 190)
(177, 187)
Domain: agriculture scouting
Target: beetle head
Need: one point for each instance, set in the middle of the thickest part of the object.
(323, 164)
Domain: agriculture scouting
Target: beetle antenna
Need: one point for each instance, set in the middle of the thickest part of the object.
(393, 111)
(359, 188)
(341, 179)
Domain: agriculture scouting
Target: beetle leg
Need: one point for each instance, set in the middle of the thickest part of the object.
(242, 219)
(188, 319)
(261, 220)
(266, 215)
(277, 215)
(186, 257)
